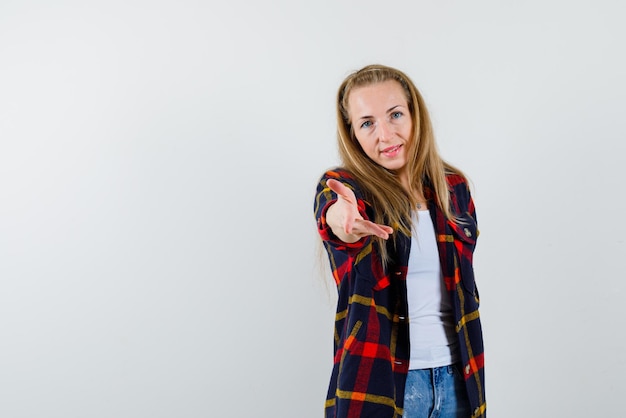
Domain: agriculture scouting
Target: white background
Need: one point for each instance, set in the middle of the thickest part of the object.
(158, 160)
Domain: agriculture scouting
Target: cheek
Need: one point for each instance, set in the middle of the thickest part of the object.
(408, 128)
(363, 143)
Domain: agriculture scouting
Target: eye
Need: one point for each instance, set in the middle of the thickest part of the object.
(396, 115)
(366, 124)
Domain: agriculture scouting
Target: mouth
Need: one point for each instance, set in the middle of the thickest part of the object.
(391, 151)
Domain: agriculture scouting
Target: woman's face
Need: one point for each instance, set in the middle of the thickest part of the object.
(382, 124)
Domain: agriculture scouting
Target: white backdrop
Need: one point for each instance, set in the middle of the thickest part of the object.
(158, 161)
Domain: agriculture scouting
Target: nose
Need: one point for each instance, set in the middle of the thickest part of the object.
(385, 131)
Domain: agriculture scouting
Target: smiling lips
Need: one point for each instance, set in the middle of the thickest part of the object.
(391, 151)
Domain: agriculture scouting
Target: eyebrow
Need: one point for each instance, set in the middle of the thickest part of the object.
(388, 111)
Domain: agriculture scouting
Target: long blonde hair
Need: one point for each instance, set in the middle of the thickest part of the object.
(392, 204)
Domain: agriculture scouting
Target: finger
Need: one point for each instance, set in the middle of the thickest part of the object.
(388, 229)
(374, 226)
(339, 188)
(362, 227)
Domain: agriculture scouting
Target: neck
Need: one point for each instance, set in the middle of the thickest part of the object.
(403, 176)
(417, 198)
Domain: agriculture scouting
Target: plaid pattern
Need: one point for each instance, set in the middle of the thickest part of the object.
(371, 325)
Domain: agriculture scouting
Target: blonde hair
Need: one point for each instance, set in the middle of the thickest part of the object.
(392, 204)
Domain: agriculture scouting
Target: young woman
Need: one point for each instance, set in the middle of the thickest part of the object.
(399, 226)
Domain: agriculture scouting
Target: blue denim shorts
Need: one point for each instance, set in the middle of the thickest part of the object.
(436, 393)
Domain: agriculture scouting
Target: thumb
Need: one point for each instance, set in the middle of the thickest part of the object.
(339, 188)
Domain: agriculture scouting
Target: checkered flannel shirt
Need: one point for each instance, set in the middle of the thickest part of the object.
(371, 344)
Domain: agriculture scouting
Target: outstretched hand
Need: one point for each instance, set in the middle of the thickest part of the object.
(344, 218)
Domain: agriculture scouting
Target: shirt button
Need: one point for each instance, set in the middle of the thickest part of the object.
(467, 369)
(468, 233)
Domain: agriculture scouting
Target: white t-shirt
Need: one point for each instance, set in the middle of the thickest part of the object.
(431, 319)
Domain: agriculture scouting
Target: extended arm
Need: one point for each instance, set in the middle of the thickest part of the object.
(344, 219)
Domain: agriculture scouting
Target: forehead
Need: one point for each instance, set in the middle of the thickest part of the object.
(376, 98)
